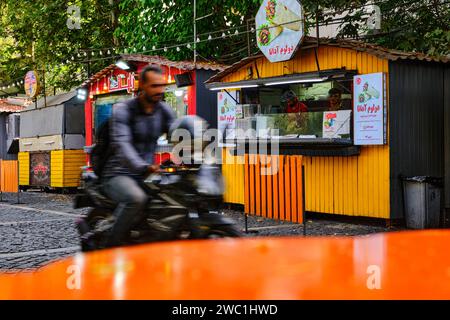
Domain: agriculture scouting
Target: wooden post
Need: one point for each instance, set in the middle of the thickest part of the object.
(18, 183)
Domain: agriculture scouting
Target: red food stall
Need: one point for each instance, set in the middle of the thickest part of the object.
(119, 82)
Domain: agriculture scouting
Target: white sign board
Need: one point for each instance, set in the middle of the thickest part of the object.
(279, 28)
(369, 109)
(336, 123)
(226, 113)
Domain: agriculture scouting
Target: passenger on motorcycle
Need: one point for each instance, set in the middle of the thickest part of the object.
(135, 127)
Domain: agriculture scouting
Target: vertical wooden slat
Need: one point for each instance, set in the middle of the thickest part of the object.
(295, 194)
(281, 188)
(287, 184)
(258, 185)
(276, 189)
(252, 183)
(263, 185)
(246, 185)
(269, 188)
(300, 179)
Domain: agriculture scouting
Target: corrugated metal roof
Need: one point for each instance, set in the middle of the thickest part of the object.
(378, 51)
(161, 61)
(99, 74)
(182, 65)
(6, 106)
(56, 100)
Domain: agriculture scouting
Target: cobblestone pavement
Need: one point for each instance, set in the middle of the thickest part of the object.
(41, 229)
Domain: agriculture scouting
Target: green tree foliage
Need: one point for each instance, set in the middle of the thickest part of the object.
(406, 25)
(36, 36)
(422, 26)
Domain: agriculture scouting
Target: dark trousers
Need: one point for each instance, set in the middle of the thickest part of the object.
(132, 199)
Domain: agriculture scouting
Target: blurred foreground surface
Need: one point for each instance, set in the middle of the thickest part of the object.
(398, 265)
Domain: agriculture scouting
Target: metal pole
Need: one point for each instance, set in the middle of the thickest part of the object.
(195, 34)
(248, 40)
(43, 81)
(246, 223)
(18, 183)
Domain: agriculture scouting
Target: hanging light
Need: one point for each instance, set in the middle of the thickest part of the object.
(143, 48)
(109, 52)
(252, 29)
(81, 94)
(153, 48)
(237, 32)
(178, 49)
(78, 55)
(67, 61)
(165, 49)
(223, 35)
(93, 53)
(209, 37)
(101, 53)
(198, 39)
(188, 46)
(73, 58)
(85, 54)
(21, 82)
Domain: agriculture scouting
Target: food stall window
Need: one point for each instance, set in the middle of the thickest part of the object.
(308, 110)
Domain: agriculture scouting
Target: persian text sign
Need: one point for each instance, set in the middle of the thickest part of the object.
(279, 28)
(369, 109)
(226, 102)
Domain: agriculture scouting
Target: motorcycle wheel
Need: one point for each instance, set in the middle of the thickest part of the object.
(224, 232)
(90, 222)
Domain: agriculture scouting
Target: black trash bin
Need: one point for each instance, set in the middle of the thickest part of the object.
(422, 201)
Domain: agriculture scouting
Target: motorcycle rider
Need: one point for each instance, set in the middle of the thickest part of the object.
(136, 125)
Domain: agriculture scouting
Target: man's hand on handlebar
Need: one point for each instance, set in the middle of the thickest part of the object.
(152, 169)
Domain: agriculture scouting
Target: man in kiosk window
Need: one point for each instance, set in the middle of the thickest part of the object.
(334, 99)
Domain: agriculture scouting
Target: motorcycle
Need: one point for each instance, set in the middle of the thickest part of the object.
(184, 203)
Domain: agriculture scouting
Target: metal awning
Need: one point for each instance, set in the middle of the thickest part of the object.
(307, 77)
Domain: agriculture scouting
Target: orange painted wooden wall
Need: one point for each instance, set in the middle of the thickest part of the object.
(9, 179)
(357, 185)
(273, 187)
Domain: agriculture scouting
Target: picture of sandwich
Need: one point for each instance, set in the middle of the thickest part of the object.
(279, 14)
(267, 33)
(370, 92)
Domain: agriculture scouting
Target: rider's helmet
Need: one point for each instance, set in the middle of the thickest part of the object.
(187, 133)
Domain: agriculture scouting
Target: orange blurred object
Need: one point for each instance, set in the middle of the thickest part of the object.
(403, 265)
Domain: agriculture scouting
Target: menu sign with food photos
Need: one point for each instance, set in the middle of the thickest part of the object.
(369, 110)
(226, 113)
(279, 28)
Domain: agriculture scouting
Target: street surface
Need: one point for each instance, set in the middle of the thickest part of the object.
(41, 229)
